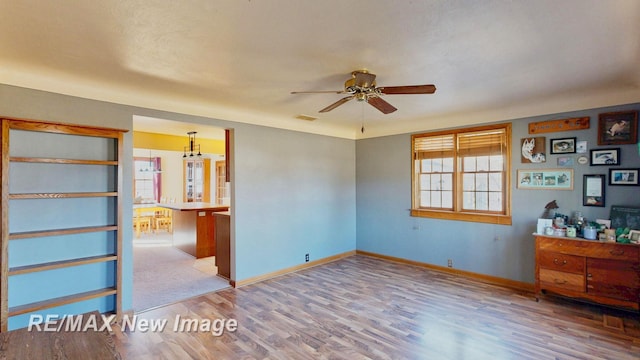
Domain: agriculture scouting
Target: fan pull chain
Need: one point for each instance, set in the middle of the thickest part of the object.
(362, 128)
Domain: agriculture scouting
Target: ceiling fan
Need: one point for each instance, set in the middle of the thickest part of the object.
(362, 87)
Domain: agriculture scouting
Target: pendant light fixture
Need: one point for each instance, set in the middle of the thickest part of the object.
(192, 147)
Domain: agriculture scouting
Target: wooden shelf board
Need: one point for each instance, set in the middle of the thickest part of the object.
(61, 264)
(64, 300)
(63, 128)
(63, 195)
(62, 161)
(56, 232)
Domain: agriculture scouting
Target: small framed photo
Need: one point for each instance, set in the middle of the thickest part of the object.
(563, 146)
(605, 157)
(565, 161)
(634, 236)
(593, 190)
(604, 222)
(581, 146)
(623, 177)
(617, 128)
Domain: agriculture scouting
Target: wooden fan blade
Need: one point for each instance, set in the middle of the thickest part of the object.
(364, 79)
(411, 89)
(381, 105)
(320, 92)
(336, 104)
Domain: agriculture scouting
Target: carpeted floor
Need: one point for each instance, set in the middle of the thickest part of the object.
(163, 275)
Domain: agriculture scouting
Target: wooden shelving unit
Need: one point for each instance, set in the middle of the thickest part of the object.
(112, 161)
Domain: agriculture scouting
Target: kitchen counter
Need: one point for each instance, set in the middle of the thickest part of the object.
(194, 206)
(194, 227)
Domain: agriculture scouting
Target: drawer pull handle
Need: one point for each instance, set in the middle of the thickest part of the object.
(559, 281)
(555, 261)
(617, 252)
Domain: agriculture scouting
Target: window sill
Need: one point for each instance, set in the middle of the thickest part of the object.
(462, 216)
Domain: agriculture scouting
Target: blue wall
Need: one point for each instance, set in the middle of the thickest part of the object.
(293, 193)
(383, 198)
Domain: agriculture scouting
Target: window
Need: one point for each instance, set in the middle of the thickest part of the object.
(146, 181)
(463, 174)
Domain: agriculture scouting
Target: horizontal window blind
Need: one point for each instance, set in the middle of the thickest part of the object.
(429, 147)
(482, 143)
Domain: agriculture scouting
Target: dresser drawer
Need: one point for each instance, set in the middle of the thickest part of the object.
(561, 280)
(563, 245)
(626, 252)
(590, 248)
(561, 262)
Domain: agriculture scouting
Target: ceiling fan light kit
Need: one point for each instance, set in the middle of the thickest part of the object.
(362, 87)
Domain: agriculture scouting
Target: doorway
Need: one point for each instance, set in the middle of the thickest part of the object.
(162, 273)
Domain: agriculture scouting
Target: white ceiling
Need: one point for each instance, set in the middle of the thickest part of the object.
(240, 59)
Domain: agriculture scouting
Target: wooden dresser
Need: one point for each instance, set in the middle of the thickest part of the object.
(605, 273)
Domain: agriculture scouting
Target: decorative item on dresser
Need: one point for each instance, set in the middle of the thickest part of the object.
(605, 273)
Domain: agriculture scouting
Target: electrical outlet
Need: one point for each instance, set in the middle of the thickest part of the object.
(450, 263)
(306, 258)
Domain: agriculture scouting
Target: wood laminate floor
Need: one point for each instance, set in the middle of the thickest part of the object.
(367, 308)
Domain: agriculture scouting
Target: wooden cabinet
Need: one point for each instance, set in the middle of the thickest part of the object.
(61, 228)
(205, 234)
(606, 273)
(197, 180)
(223, 244)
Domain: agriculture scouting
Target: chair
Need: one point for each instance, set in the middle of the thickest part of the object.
(142, 224)
(162, 220)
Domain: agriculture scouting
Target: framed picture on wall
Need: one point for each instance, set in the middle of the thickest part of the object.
(624, 216)
(623, 176)
(617, 128)
(593, 190)
(605, 157)
(565, 161)
(533, 150)
(563, 146)
(545, 179)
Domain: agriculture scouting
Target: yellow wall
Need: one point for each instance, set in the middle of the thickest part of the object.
(145, 140)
